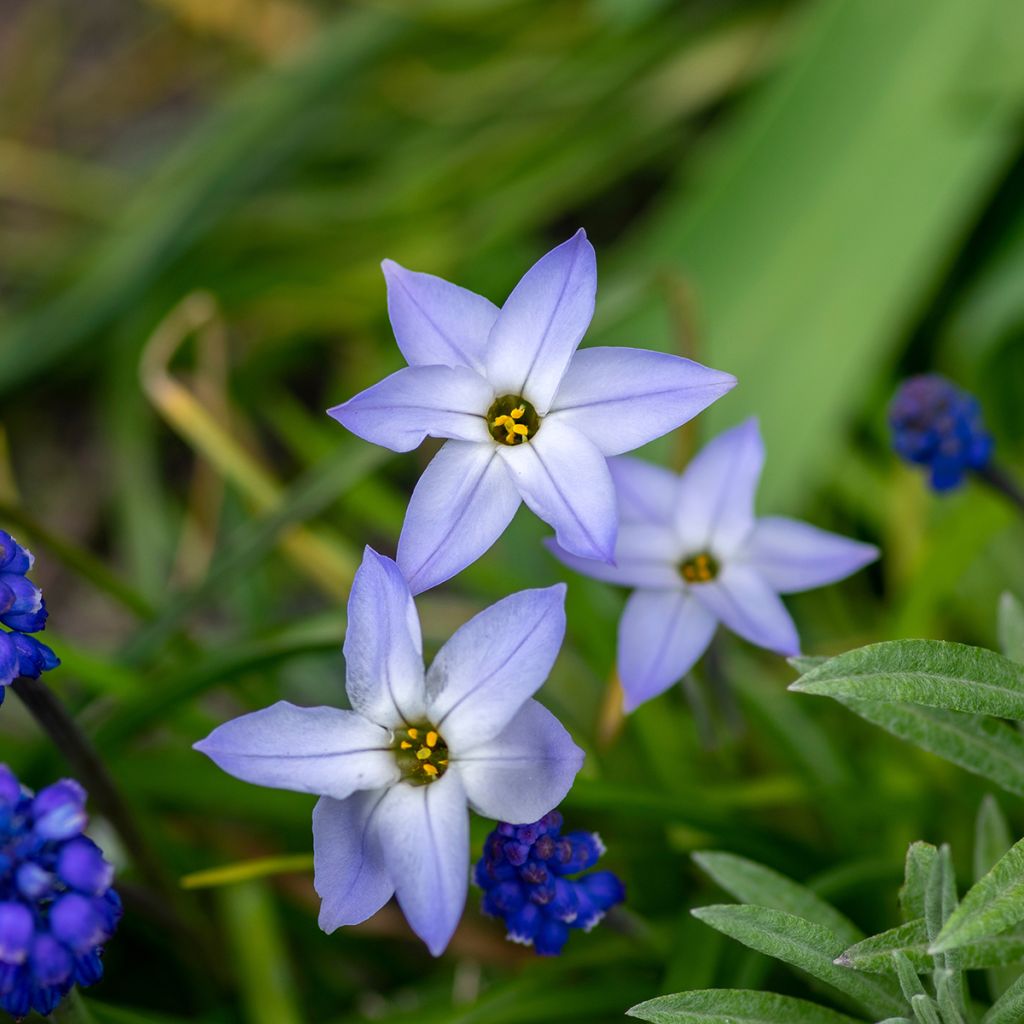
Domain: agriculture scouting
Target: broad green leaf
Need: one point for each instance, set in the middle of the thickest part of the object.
(802, 944)
(992, 905)
(935, 673)
(750, 882)
(1009, 1007)
(874, 955)
(921, 858)
(1011, 627)
(731, 1006)
(984, 746)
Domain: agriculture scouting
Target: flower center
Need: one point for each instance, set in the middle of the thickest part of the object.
(699, 568)
(421, 753)
(512, 420)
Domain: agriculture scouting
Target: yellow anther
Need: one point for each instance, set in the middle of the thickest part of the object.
(445, 761)
(518, 412)
(504, 421)
(423, 753)
(521, 429)
(430, 769)
(431, 739)
(414, 734)
(405, 745)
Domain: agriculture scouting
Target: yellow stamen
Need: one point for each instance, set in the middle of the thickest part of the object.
(423, 753)
(521, 429)
(405, 745)
(518, 412)
(414, 734)
(430, 769)
(431, 739)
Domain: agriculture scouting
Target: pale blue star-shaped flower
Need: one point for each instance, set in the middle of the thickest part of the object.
(397, 773)
(696, 555)
(526, 416)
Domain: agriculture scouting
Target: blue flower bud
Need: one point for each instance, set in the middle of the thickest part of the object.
(551, 937)
(59, 810)
(80, 865)
(937, 425)
(16, 931)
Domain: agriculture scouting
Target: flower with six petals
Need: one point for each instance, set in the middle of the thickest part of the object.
(696, 555)
(525, 416)
(397, 773)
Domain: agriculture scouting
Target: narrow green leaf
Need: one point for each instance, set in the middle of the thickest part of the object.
(874, 955)
(921, 858)
(750, 882)
(994, 904)
(732, 1006)
(802, 944)
(925, 1009)
(1011, 627)
(984, 746)
(950, 996)
(935, 673)
(1009, 1007)
(991, 836)
(910, 983)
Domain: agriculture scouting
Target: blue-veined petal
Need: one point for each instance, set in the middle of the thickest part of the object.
(424, 835)
(350, 875)
(791, 556)
(744, 602)
(621, 398)
(644, 492)
(383, 644)
(436, 322)
(492, 664)
(542, 323)
(565, 479)
(646, 555)
(418, 402)
(523, 772)
(715, 509)
(462, 504)
(309, 750)
(661, 636)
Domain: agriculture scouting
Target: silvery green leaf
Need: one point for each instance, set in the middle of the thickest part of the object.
(935, 673)
(921, 857)
(1011, 627)
(731, 1006)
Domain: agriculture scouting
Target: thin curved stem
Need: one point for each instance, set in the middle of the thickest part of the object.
(1000, 480)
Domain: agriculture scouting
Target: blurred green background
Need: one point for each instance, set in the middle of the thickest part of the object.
(819, 196)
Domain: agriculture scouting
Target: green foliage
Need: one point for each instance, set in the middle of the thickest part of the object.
(732, 1007)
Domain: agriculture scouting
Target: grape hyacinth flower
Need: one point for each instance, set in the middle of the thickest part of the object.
(937, 425)
(395, 775)
(57, 908)
(525, 416)
(525, 871)
(22, 611)
(696, 556)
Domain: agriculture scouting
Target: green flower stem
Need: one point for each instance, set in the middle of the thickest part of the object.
(1000, 480)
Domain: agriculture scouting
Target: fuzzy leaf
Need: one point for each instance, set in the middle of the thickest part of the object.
(802, 944)
(991, 836)
(733, 1006)
(993, 905)
(1009, 1007)
(921, 858)
(750, 882)
(1011, 627)
(984, 746)
(934, 673)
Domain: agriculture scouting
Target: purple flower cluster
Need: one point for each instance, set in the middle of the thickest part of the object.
(524, 874)
(56, 904)
(936, 424)
(22, 611)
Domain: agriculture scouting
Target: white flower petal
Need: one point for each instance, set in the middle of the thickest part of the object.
(745, 603)
(525, 771)
(325, 751)
(349, 873)
(644, 492)
(661, 636)
(462, 504)
(492, 664)
(424, 833)
(383, 645)
(715, 509)
(436, 322)
(542, 322)
(565, 480)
